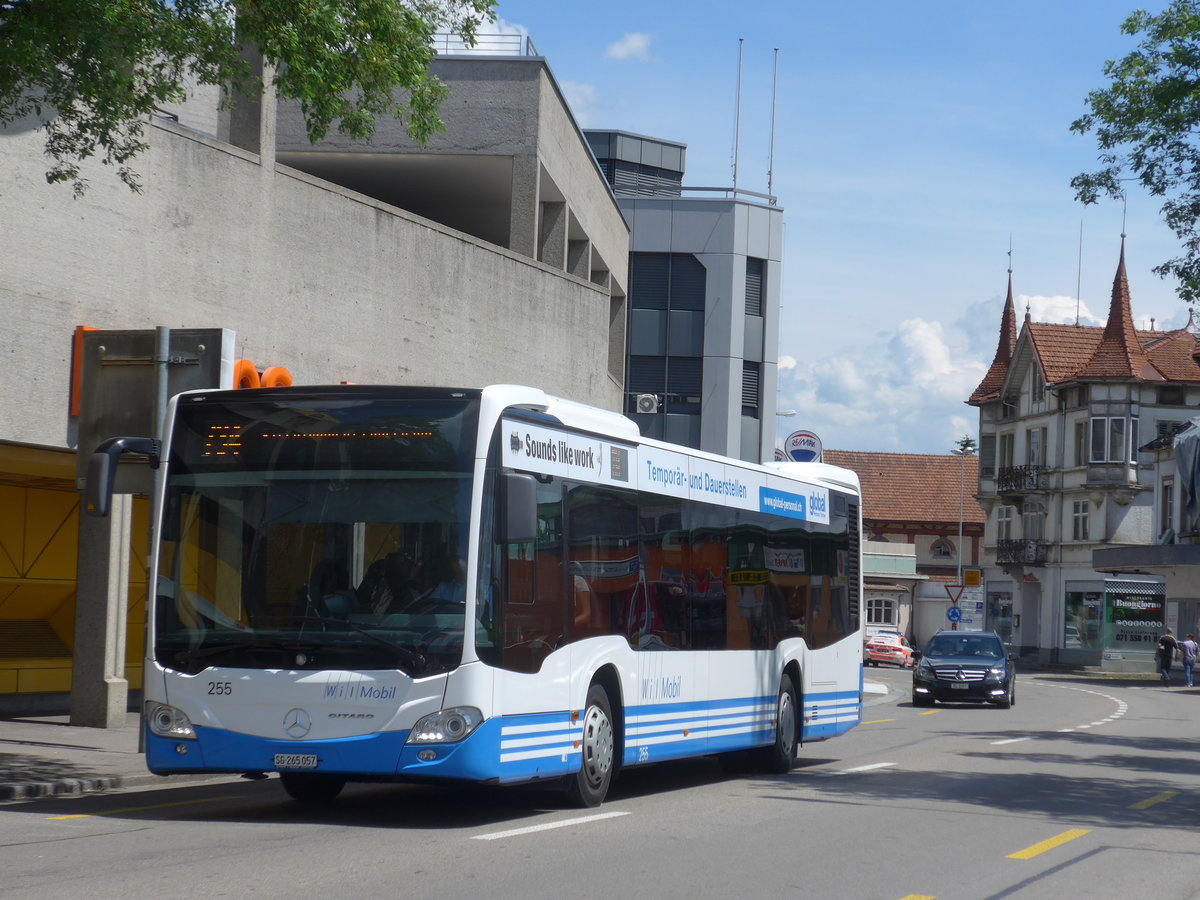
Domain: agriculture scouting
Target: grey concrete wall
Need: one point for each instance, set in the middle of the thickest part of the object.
(510, 107)
(328, 283)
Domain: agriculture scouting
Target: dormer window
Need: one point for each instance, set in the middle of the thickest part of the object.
(1008, 409)
(1037, 386)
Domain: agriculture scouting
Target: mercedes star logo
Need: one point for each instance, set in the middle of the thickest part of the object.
(297, 723)
(961, 676)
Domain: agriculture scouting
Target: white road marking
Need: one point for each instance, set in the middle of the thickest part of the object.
(854, 771)
(548, 826)
(1010, 741)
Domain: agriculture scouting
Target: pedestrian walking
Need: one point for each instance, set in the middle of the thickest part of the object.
(1167, 646)
(1189, 650)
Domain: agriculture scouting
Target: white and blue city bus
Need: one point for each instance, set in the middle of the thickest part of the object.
(495, 586)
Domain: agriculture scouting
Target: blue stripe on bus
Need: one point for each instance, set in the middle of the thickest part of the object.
(520, 747)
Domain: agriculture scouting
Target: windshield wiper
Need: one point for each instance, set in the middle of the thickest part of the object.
(414, 661)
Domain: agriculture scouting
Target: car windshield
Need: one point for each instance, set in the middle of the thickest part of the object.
(964, 645)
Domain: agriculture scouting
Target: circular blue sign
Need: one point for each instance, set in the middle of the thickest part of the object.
(954, 614)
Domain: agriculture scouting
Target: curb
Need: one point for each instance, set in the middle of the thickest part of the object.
(74, 787)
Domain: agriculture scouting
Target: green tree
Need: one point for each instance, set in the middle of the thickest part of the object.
(966, 446)
(91, 71)
(1147, 124)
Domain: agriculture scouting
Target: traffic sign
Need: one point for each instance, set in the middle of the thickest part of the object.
(954, 614)
(954, 591)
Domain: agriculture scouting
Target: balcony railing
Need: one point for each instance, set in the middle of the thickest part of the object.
(1021, 552)
(486, 44)
(1022, 479)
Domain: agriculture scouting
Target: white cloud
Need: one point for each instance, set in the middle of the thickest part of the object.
(583, 101)
(634, 45)
(1058, 310)
(909, 398)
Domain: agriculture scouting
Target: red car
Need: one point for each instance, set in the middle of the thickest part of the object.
(888, 647)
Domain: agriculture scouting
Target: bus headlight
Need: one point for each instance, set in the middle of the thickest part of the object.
(169, 722)
(446, 726)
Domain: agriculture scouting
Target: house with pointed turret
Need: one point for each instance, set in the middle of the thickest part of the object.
(1068, 417)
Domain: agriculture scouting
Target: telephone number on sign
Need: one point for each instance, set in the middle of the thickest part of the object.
(1136, 638)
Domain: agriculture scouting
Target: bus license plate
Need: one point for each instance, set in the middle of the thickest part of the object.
(295, 760)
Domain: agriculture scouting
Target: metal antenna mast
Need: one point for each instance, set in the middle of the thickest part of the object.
(737, 115)
(771, 154)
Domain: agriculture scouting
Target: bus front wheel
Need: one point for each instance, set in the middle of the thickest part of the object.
(781, 755)
(309, 787)
(589, 785)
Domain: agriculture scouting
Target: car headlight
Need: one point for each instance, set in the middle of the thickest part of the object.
(169, 722)
(924, 671)
(446, 726)
(996, 673)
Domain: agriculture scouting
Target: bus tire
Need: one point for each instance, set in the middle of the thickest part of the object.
(309, 787)
(588, 786)
(779, 758)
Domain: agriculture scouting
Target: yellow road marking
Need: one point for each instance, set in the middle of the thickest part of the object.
(129, 809)
(919, 897)
(1049, 843)
(878, 721)
(1157, 798)
(931, 712)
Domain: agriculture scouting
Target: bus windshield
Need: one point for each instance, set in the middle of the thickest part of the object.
(316, 532)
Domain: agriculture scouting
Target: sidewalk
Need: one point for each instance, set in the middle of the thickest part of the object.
(47, 756)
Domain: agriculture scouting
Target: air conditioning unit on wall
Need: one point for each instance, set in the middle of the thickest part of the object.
(647, 403)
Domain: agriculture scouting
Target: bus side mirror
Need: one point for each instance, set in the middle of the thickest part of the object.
(102, 469)
(518, 513)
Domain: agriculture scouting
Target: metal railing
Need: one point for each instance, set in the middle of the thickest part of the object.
(1019, 479)
(485, 45)
(1021, 552)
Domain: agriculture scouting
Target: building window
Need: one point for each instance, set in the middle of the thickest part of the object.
(1006, 451)
(1081, 513)
(1035, 447)
(1037, 385)
(666, 331)
(1114, 439)
(987, 456)
(941, 549)
(1008, 409)
(1033, 523)
(1166, 506)
(881, 611)
(1172, 395)
(1081, 452)
(1004, 523)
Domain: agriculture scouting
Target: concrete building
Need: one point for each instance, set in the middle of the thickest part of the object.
(496, 254)
(1067, 470)
(704, 279)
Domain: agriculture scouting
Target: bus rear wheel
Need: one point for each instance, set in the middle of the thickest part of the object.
(309, 787)
(589, 785)
(781, 755)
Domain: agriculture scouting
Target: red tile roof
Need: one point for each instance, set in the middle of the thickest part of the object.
(1119, 353)
(913, 488)
(1070, 353)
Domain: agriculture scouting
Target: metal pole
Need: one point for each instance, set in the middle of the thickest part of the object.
(737, 116)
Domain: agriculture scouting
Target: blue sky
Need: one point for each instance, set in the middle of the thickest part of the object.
(912, 141)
